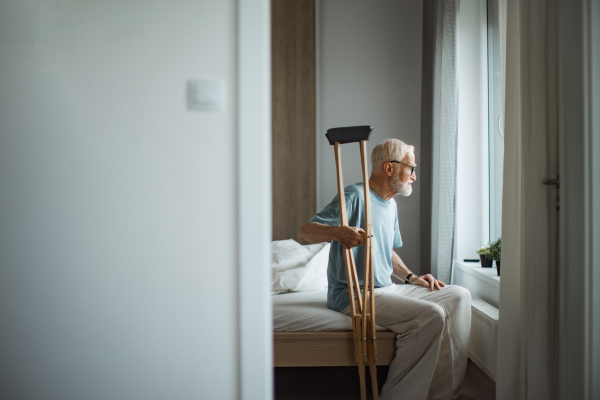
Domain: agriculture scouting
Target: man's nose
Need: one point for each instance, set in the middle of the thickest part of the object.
(413, 177)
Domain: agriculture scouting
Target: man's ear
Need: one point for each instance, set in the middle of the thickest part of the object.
(388, 168)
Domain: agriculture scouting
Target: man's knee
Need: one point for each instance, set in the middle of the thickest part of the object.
(460, 295)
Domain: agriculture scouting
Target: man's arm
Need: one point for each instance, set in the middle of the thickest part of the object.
(400, 271)
(347, 236)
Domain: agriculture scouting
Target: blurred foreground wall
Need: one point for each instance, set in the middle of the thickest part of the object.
(117, 204)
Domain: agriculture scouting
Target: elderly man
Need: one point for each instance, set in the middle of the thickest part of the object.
(432, 320)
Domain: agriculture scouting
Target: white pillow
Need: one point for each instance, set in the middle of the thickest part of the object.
(316, 271)
(288, 254)
(312, 276)
(314, 248)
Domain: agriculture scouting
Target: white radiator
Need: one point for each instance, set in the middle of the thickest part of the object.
(484, 336)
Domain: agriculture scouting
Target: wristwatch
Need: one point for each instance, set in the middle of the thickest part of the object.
(406, 281)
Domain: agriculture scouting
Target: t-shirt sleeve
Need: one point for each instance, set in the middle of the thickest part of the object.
(330, 215)
(397, 238)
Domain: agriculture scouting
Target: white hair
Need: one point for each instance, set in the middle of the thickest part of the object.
(388, 150)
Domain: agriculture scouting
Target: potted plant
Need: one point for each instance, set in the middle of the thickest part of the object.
(496, 252)
(485, 256)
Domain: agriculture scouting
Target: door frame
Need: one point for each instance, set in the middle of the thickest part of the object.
(575, 218)
(255, 344)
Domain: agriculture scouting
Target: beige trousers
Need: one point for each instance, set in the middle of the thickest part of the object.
(432, 344)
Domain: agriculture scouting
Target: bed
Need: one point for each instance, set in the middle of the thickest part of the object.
(308, 334)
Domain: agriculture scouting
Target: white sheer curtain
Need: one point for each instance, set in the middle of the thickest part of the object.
(439, 136)
(527, 338)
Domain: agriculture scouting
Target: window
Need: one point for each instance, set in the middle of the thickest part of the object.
(480, 140)
(495, 130)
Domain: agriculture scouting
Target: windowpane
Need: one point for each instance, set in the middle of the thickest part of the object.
(495, 130)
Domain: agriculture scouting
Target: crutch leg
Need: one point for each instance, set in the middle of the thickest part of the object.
(368, 281)
(373, 366)
(363, 384)
(353, 283)
(361, 352)
(363, 325)
(374, 386)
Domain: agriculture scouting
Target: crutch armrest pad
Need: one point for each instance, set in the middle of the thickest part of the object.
(348, 134)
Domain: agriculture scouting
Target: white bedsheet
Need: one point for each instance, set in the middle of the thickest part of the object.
(307, 311)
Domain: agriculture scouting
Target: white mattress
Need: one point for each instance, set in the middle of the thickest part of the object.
(307, 311)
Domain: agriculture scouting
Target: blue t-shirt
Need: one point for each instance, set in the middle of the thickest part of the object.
(386, 237)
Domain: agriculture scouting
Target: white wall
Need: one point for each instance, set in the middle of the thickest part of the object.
(117, 215)
(472, 131)
(369, 73)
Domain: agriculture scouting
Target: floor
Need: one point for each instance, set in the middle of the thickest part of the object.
(342, 383)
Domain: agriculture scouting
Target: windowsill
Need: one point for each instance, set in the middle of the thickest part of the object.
(489, 275)
(483, 283)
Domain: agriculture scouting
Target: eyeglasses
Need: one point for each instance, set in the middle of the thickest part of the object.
(412, 167)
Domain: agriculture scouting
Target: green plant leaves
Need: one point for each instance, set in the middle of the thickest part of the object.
(493, 251)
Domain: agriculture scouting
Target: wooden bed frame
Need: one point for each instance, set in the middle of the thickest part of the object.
(326, 349)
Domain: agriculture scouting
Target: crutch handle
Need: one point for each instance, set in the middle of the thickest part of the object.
(348, 134)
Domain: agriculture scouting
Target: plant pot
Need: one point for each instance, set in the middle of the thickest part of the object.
(485, 262)
(498, 266)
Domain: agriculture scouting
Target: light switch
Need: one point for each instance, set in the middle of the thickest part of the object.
(205, 94)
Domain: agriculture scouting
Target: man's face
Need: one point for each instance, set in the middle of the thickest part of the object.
(402, 180)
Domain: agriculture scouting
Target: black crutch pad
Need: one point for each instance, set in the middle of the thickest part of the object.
(349, 134)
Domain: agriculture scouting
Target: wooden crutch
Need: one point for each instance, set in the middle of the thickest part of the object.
(362, 308)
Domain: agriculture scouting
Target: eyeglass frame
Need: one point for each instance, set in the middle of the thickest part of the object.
(412, 167)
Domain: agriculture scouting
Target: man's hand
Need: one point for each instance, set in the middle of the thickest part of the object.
(427, 281)
(350, 236)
